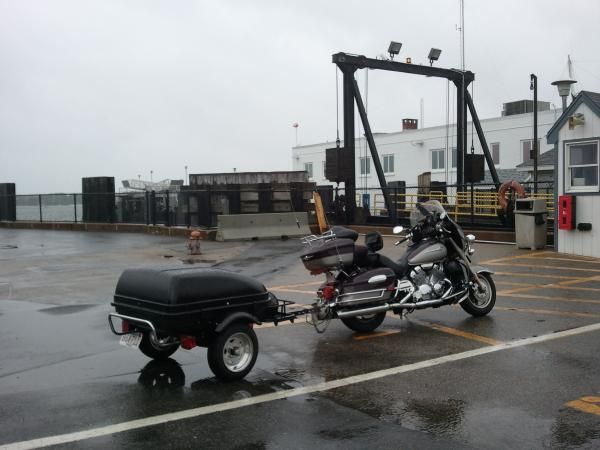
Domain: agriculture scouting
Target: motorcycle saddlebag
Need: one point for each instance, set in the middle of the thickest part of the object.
(178, 299)
(359, 290)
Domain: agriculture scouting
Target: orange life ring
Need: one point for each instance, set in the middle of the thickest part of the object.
(515, 186)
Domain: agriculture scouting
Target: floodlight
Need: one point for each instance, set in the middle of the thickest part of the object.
(434, 55)
(394, 49)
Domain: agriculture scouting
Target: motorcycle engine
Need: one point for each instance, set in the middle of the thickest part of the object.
(429, 280)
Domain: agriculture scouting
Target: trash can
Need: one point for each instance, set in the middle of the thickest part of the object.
(530, 223)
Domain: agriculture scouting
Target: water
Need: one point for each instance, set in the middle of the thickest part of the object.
(51, 213)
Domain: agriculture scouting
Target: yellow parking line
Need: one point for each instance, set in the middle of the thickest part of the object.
(292, 290)
(564, 286)
(549, 258)
(536, 275)
(457, 332)
(509, 258)
(546, 298)
(577, 269)
(291, 286)
(550, 312)
(588, 405)
(363, 336)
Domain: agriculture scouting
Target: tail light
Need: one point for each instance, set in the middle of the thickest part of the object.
(187, 342)
(125, 327)
(328, 292)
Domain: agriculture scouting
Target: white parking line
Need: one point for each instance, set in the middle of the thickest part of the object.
(325, 386)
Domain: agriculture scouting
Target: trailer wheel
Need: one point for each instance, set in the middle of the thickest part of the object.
(233, 352)
(364, 324)
(152, 349)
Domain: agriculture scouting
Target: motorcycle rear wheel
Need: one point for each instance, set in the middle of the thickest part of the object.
(481, 303)
(364, 324)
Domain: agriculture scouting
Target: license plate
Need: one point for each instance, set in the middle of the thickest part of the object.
(131, 340)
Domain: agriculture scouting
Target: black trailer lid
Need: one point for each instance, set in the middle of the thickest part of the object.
(182, 286)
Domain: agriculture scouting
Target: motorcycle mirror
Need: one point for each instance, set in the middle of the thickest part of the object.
(398, 229)
(470, 237)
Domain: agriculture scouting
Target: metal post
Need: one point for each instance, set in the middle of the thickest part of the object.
(535, 134)
(40, 203)
(349, 152)
(189, 214)
(367, 127)
(147, 196)
(460, 133)
(486, 150)
(75, 206)
(153, 206)
(168, 218)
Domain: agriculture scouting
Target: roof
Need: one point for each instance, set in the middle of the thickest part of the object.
(591, 99)
(505, 175)
(545, 159)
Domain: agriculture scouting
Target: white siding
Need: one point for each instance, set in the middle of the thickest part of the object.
(412, 148)
(586, 243)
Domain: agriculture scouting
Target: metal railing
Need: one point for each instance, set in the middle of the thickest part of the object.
(477, 206)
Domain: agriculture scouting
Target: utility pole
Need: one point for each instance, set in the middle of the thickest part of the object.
(533, 86)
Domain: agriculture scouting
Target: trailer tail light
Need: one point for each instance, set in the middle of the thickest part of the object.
(125, 327)
(187, 342)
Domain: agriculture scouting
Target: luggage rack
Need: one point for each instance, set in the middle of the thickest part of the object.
(283, 315)
(313, 239)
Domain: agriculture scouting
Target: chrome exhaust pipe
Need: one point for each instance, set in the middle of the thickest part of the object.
(364, 311)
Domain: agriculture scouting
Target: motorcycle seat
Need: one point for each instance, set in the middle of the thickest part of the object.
(399, 268)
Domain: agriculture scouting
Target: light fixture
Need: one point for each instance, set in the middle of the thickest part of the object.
(434, 55)
(394, 49)
(564, 89)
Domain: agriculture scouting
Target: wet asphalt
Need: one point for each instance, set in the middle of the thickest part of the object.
(62, 370)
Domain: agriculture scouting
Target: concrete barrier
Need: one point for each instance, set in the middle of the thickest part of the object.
(262, 226)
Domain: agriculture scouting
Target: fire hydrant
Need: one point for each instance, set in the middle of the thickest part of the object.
(193, 244)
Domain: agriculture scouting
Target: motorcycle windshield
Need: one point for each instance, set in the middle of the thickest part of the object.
(431, 206)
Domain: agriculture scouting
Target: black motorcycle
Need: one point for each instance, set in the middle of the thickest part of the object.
(362, 285)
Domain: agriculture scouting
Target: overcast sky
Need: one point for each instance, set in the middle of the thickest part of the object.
(120, 88)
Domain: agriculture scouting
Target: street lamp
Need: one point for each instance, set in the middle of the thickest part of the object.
(151, 172)
(185, 179)
(564, 89)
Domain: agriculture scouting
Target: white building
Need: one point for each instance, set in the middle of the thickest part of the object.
(576, 137)
(406, 154)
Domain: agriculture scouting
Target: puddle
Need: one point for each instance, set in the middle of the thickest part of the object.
(66, 309)
(197, 261)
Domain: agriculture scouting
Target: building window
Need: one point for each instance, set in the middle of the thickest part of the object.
(581, 161)
(526, 148)
(308, 168)
(365, 166)
(454, 154)
(438, 157)
(495, 148)
(388, 163)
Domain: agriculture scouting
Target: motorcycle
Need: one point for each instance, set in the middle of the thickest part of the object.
(362, 285)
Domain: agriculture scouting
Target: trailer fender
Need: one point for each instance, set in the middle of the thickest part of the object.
(237, 317)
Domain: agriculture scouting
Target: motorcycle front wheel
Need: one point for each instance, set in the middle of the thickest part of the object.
(480, 302)
(364, 324)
